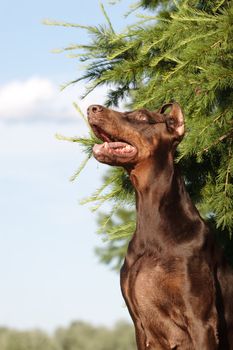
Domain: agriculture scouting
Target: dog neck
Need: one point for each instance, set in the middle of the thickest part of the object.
(164, 209)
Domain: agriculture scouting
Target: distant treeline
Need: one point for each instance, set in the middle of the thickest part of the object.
(78, 336)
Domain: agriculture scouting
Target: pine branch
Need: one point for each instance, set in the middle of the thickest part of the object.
(78, 109)
(97, 195)
(219, 4)
(81, 167)
(106, 17)
(180, 52)
(216, 142)
(213, 121)
(49, 22)
(228, 171)
(121, 231)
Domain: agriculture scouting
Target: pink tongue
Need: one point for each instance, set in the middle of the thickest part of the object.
(97, 149)
(116, 147)
(117, 144)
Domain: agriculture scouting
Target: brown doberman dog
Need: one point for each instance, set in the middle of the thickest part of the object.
(175, 281)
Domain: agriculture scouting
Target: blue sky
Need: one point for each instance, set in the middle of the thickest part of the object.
(49, 273)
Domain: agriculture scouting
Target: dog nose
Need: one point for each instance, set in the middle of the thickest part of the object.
(94, 109)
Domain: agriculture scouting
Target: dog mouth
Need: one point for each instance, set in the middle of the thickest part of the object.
(111, 146)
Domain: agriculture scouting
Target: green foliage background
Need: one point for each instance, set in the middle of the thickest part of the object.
(177, 50)
(78, 336)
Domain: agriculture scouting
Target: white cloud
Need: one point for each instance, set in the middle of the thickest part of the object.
(39, 98)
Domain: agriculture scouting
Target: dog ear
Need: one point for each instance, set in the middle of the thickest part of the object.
(174, 118)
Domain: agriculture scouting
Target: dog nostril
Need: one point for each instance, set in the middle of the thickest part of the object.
(95, 109)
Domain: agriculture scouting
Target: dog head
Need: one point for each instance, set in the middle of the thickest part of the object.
(131, 137)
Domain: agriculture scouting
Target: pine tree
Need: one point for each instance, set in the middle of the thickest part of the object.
(182, 51)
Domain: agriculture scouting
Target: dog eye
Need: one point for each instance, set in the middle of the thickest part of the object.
(170, 122)
(141, 117)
